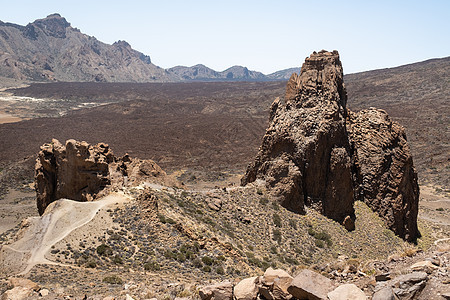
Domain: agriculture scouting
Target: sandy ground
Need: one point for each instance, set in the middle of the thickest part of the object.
(39, 234)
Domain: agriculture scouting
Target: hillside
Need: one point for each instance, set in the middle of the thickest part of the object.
(50, 49)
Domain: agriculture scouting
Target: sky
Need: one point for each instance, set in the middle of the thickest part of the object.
(266, 36)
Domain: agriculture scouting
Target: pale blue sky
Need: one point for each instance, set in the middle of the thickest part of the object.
(263, 35)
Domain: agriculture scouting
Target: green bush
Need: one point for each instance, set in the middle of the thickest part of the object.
(152, 266)
(207, 260)
(91, 264)
(263, 201)
(277, 220)
(197, 263)
(114, 279)
(117, 260)
(277, 235)
(220, 270)
(293, 223)
(206, 269)
(104, 250)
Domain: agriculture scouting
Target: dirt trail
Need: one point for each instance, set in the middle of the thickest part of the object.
(41, 233)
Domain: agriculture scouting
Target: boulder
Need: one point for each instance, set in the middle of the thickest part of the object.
(347, 292)
(310, 285)
(23, 282)
(409, 285)
(425, 266)
(17, 293)
(385, 178)
(246, 289)
(385, 293)
(274, 284)
(218, 291)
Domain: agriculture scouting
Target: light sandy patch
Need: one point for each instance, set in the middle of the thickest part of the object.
(40, 233)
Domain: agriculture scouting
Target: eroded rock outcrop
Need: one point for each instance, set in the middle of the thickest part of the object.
(316, 153)
(80, 171)
(385, 178)
(305, 153)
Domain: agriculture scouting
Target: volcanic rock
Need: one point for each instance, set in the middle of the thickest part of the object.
(310, 285)
(77, 171)
(305, 153)
(318, 154)
(80, 171)
(385, 176)
(218, 291)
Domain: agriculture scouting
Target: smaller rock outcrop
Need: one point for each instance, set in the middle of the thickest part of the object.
(385, 178)
(80, 171)
(76, 170)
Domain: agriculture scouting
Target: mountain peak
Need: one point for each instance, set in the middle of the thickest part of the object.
(53, 25)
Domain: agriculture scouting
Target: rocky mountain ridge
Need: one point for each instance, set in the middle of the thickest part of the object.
(50, 49)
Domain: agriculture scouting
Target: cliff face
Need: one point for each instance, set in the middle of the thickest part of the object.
(51, 49)
(305, 154)
(82, 172)
(317, 154)
(385, 178)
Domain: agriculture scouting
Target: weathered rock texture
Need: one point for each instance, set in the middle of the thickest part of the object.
(305, 154)
(317, 154)
(385, 177)
(79, 171)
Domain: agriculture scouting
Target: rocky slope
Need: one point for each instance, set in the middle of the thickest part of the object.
(51, 49)
(316, 154)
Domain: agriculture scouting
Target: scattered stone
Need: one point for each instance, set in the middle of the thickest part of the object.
(275, 284)
(17, 293)
(44, 292)
(347, 292)
(218, 291)
(246, 289)
(310, 285)
(383, 277)
(385, 293)
(409, 285)
(446, 295)
(23, 282)
(425, 266)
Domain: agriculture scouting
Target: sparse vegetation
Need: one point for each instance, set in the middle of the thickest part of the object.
(113, 279)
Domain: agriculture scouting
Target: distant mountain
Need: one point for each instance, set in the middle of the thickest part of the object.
(203, 73)
(197, 72)
(283, 74)
(50, 49)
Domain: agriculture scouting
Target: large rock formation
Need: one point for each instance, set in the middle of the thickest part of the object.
(385, 178)
(315, 153)
(305, 154)
(79, 171)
